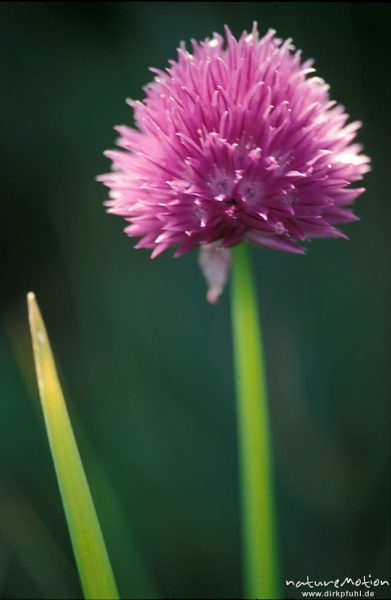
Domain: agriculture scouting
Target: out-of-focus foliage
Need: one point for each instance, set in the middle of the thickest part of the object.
(152, 385)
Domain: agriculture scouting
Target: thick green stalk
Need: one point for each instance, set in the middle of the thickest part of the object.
(259, 543)
(87, 540)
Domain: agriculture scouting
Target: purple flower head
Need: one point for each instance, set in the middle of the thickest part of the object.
(237, 140)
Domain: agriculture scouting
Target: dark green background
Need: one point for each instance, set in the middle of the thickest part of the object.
(146, 362)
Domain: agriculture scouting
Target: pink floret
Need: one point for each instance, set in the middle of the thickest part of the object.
(236, 140)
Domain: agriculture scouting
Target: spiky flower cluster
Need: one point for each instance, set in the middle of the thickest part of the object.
(236, 140)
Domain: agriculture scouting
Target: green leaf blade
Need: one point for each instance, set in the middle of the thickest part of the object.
(91, 556)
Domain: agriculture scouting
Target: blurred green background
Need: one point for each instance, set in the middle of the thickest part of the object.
(146, 363)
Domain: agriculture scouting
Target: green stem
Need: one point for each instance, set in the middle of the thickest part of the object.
(259, 544)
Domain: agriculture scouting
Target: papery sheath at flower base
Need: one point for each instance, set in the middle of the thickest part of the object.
(236, 140)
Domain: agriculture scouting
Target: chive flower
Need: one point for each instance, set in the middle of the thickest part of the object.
(235, 140)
